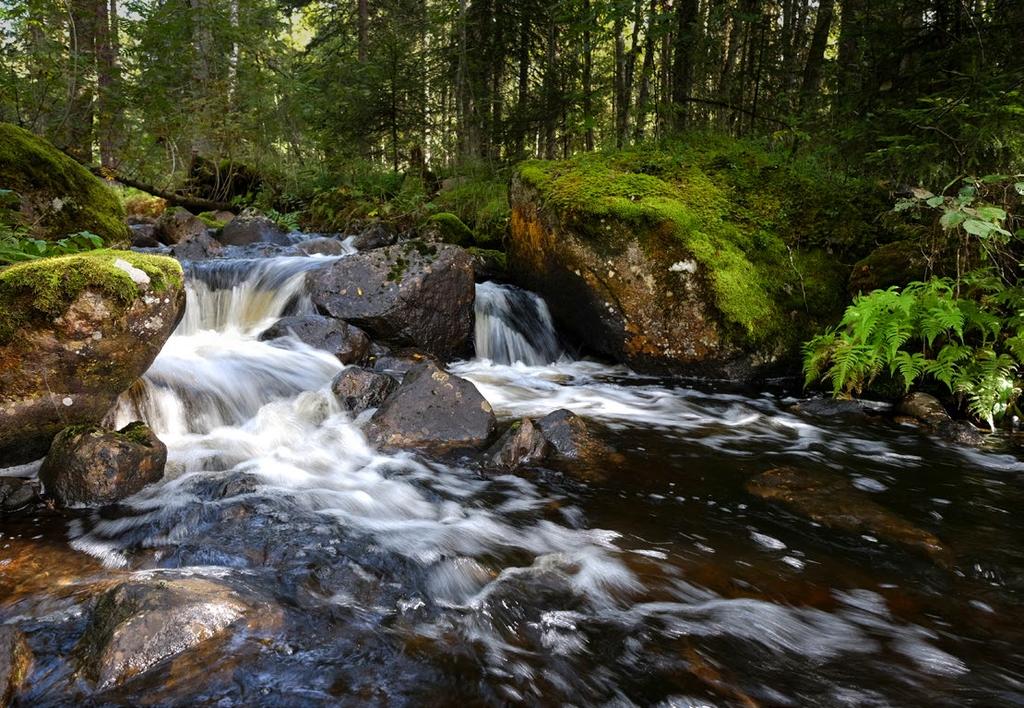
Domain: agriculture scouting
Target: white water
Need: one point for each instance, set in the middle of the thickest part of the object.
(514, 326)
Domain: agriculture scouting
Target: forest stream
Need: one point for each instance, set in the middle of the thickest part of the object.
(399, 580)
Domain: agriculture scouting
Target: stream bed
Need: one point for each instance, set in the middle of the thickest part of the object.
(392, 579)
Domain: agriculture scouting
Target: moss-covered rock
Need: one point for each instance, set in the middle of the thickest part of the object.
(58, 195)
(714, 258)
(75, 332)
(481, 204)
(896, 263)
(447, 228)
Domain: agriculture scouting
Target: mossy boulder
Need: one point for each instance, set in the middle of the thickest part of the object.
(711, 259)
(75, 332)
(89, 465)
(447, 228)
(58, 195)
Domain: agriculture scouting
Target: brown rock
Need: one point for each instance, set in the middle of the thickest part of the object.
(410, 295)
(359, 389)
(923, 407)
(15, 661)
(250, 227)
(522, 445)
(350, 344)
(177, 225)
(89, 465)
(434, 411)
(16, 493)
(66, 365)
(830, 500)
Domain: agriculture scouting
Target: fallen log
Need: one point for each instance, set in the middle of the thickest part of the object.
(191, 203)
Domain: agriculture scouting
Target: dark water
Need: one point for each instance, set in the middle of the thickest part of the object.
(400, 581)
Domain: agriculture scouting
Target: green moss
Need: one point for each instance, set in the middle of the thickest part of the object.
(45, 288)
(449, 229)
(498, 258)
(758, 223)
(137, 432)
(211, 221)
(482, 204)
(64, 196)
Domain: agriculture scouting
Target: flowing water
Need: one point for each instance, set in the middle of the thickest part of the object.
(402, 581)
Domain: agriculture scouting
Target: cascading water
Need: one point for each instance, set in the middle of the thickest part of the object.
(514, 325)
(397, 580)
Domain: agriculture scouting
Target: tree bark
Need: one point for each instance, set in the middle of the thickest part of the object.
(108, 114)
(588, 79)
(816, 52)
(363, 29)
(682, 58)
(643, 101)
(78, 126)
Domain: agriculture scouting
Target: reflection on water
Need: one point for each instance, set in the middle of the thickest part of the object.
(406, 581)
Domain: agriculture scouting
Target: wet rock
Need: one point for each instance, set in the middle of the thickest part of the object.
(250, 227)
(321, 246)
(433, 410)
(144, 236)
(413, 295)
(197, 247)
(88, 465)
(140, 220)
(358, 389)
(224, 217)
(522, 445)
(375, 236)
(350, 344)
(832, 501)
(16, 493)
(75, 332)
(960, 432)
(139, 624)
(831, 408)
(56, 195)
(15, 660)
(923, 407)
(572, 437)
(176, 225)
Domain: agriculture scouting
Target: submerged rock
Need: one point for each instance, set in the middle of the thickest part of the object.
(16, 493)
(359, 389)
(15, 660)
(350, 344)
(830, 500)
(75, 332)
(57, 195)
(413, 295)
(322, 246)
(89, 465)
(433, 410)
(250, 227)
(176, 225)
(139, 624)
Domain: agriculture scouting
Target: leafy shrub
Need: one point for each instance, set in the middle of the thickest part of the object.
(15, 247)
(966, 333)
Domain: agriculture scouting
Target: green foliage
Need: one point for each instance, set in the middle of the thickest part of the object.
(448, 228)
(965, 333)
(14, 249)
(288, 221)
(971, 345)
(481, 203)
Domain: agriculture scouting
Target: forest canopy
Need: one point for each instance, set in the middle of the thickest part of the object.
(916, 91)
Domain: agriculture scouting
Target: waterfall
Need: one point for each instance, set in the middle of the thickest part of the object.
(514, 325)
(213, 371)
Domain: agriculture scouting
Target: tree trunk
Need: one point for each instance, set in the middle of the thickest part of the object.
(816, 52)
(850, 29)
(588, 79)
(682, 58)
(108, 114)
(551, 91)
(363, 29)
(78, 126)
(643, 101)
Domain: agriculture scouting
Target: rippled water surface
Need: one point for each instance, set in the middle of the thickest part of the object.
(405, 581)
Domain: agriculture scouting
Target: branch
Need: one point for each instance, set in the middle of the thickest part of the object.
(182, 200)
